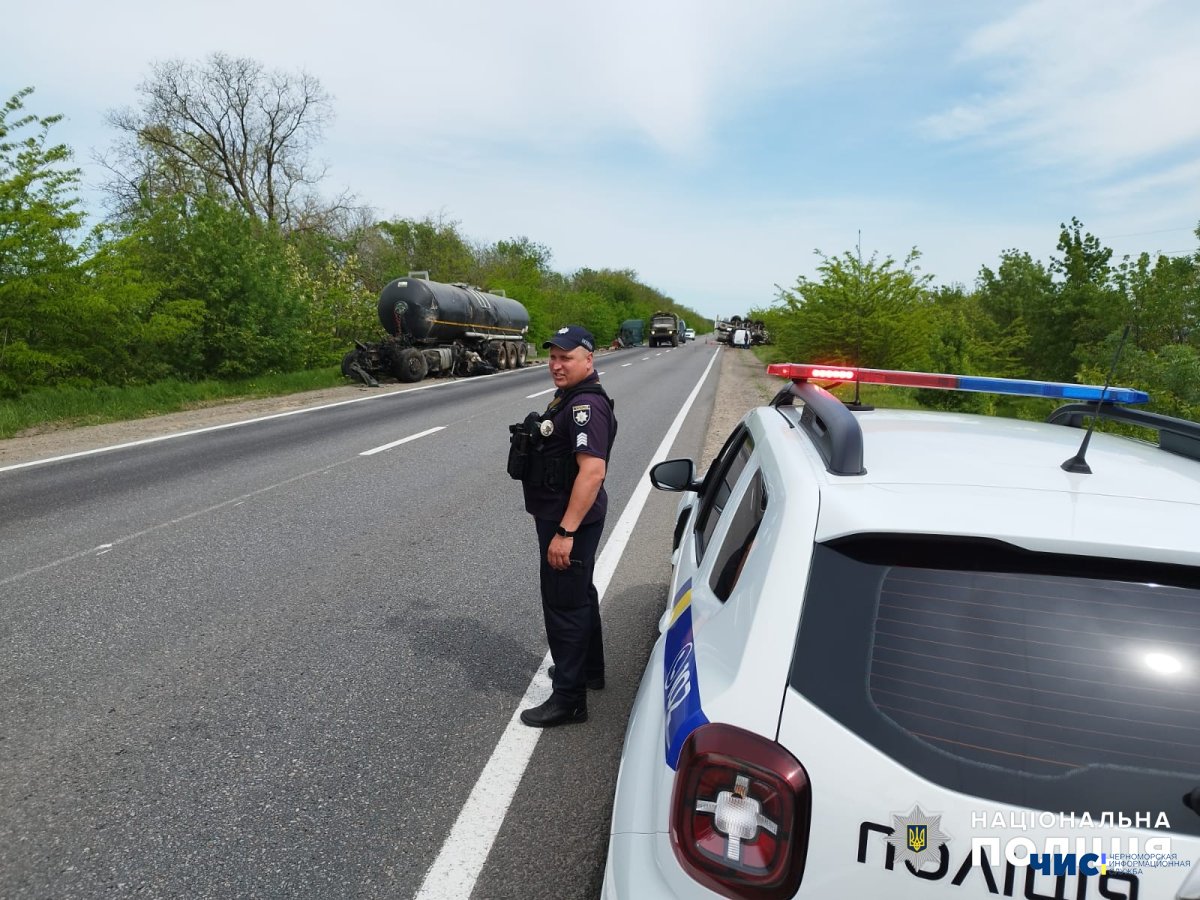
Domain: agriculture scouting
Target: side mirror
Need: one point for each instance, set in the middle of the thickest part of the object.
(675, 475)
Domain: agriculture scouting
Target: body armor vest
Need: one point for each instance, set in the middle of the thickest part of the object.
(528, 460)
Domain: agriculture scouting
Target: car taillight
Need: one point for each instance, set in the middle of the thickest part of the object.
(740, 813)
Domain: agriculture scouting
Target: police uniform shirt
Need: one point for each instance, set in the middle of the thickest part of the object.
(582, 425)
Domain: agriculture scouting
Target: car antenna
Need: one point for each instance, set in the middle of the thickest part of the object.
(857, 405)
(1077, 463)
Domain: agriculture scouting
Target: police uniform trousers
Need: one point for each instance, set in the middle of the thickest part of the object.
(571, 608)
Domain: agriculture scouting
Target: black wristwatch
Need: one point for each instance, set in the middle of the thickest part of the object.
(562, 532)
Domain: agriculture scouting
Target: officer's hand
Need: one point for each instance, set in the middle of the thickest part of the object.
(559, 553)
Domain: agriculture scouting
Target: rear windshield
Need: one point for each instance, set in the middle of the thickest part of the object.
(1052, 682)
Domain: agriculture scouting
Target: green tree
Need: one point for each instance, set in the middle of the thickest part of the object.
(1084, 309)
(861, 312)
(227, 302)
(339, 309)
(39, 261)
(1019, 284)
(1163, 299)
(395, 248)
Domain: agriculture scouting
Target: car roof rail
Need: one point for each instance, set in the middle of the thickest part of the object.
(829, 424)
(1179, 436)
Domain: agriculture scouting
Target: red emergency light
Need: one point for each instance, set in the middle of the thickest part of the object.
(1014, 386)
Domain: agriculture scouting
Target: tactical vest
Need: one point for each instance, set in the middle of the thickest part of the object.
(527, 457)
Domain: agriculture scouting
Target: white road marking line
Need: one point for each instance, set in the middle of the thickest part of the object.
(540, 393)
(456, 869)
(623, 365)
(644, 358)
(405, 440)
(291, 412)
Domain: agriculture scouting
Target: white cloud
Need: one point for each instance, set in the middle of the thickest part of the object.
(595, 129)
(661, 74)
(1094, 85)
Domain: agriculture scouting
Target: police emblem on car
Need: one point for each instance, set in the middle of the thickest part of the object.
(582, 414)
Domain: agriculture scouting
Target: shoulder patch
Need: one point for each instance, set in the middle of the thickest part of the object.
(582, 414)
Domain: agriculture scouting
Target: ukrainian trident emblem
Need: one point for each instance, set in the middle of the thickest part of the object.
(918, 837)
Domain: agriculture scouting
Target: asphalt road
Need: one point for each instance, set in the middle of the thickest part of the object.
(255, 662)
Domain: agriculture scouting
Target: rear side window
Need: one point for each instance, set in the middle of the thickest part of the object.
(990, 670)
(739, 539)
(718, 485)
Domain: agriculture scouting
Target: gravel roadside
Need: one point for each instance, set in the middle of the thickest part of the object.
(743, 384)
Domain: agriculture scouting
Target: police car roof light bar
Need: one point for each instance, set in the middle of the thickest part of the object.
(1054, 390)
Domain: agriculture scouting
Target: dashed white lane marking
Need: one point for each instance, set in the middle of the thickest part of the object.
(456, 869)
(623, 365)
(100, 549)
(644, 358)
(404, 440)
(540, 393)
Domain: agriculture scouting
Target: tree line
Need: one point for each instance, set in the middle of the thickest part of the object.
(218, 256)
(1061, 321)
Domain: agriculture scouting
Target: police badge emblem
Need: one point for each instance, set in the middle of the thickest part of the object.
(918, 838)
(582, 414)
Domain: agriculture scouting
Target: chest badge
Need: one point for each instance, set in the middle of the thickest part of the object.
(582, 414)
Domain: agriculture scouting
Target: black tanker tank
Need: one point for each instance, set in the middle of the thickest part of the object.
(441, 329)
(428, 312)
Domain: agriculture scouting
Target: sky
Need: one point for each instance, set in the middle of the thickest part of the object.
(712, 147)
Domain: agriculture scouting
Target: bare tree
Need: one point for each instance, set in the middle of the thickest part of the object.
(223, 126)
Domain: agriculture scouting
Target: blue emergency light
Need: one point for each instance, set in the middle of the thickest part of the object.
(1016, 386)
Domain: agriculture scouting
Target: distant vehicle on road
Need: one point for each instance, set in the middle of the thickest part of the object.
(441, 329)
(632, 333)
(689, 334)
(665, 328)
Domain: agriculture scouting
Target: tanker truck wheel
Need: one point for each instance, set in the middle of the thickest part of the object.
(522, 355)
(347, 364)
(510, 356)
(410, 365)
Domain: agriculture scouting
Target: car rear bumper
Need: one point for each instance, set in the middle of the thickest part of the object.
(631, 870)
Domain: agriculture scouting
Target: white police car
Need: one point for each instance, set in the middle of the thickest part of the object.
(921, 654)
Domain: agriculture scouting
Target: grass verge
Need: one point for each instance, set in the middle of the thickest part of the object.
(70, 407)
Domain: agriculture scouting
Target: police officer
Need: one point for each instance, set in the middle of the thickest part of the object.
(565, 495)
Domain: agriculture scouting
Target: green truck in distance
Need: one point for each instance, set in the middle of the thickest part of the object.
(665, 328)
(632, 333)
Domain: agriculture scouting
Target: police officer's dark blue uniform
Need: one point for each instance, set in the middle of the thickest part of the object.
(568, 506)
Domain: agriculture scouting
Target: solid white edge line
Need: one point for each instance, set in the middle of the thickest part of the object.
(411, 437)
(458, 864)
(240, 422)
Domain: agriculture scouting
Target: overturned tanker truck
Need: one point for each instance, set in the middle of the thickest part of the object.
(441, 329)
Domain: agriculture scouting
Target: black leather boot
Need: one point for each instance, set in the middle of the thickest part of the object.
(555, 712)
